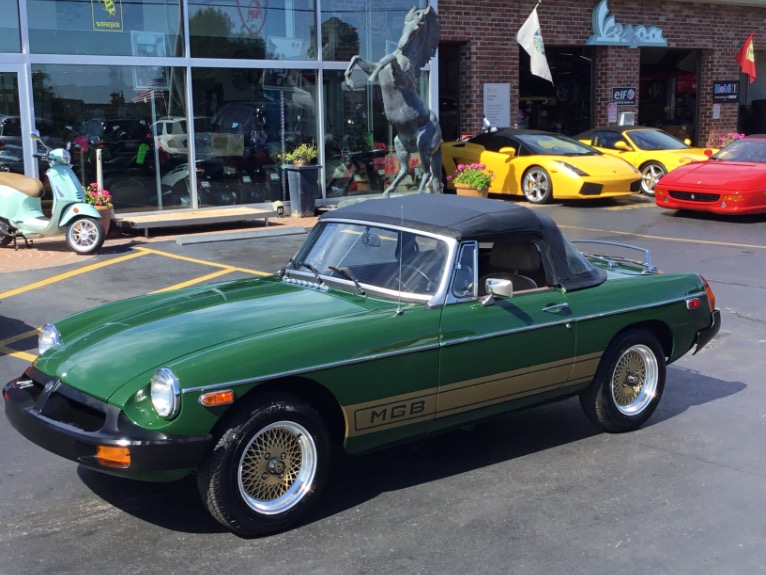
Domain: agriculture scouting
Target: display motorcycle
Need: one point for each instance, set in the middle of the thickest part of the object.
(21, 214)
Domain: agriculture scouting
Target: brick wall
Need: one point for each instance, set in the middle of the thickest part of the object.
(486, 30)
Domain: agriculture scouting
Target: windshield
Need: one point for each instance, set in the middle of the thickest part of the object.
(655, 140)
(375, 258)
(556, 145)
(745, 150)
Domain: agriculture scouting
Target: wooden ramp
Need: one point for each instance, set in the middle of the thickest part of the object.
(175, 218)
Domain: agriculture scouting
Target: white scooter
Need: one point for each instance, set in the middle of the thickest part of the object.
(21, 214)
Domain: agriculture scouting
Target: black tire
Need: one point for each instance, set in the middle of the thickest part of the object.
(650, 173)
(5, 227)
(629, 383)
(85, 236)
(537, 186)
(241, 481)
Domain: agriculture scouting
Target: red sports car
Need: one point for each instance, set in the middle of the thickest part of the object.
(733, 181)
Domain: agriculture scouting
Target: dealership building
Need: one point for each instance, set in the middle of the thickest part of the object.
(229, 86)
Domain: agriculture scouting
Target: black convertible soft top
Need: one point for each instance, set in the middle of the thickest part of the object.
(468, 218)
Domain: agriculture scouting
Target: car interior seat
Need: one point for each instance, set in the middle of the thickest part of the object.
(513, 261)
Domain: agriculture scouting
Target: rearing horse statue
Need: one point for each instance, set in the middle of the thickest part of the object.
(417, 127)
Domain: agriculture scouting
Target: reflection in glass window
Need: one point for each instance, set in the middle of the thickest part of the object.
(94, 108)
(255, 29)
(371, 28)
(10, 40)
(254, 116)
(359, 141)
(11, 144)
(105, 27)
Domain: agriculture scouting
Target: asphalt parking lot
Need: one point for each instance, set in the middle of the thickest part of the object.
(540, 491)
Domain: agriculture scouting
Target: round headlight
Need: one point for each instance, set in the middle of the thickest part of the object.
(49, 337)
(166, 393)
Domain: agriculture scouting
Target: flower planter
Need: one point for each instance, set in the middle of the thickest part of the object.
(107, 214)
(466, 190)
(303, 186)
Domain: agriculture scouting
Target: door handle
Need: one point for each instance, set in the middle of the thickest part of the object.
(556, 308)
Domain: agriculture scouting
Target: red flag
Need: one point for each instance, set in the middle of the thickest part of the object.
(746, 58)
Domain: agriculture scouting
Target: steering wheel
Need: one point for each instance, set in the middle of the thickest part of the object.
(413, 279)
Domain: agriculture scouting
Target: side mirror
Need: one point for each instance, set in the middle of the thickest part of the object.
(708, 152)
(510, 150)
(497, 287)
(622, 146)
(687, 141)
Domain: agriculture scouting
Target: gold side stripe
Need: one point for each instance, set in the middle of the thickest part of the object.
(460, 397)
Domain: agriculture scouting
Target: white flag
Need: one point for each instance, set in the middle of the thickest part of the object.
(531, 39)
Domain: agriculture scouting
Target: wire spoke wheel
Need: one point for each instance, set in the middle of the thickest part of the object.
(628, 384)
(635, 379)
(277, 467)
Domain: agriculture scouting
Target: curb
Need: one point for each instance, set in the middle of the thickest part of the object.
(238, 235)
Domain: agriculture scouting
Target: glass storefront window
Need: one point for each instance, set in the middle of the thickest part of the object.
(359, 141)
(145, 167)
(10, 40)
(106, 27)
(11, 145)
(255, 29)
(254, 117)
(371, 28)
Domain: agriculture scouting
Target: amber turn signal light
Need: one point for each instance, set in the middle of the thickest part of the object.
(113, 456)
(217, 398)
(710, 294)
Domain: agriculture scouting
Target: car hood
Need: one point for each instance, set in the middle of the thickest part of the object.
(107, 346)
(716, 174)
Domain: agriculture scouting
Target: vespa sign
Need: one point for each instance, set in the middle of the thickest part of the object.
(607, 32)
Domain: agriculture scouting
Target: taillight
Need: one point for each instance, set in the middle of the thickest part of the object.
(709, 292)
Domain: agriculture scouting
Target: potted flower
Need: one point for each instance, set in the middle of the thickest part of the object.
(303, 155)
(302, 179)
(102, 200)
(471, 179)
(729, 138)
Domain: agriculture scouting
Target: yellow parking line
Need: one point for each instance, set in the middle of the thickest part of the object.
(632, 206)
(197, 280)
(73, 273)
(669, 239)
(13, 339)
(17, 354)
(202, 262)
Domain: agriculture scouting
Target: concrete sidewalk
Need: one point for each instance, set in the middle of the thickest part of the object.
(54, 252)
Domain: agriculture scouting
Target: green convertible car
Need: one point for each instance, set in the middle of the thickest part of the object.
(398, 318)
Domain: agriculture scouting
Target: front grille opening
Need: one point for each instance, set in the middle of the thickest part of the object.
(62, 409)
(591, 189)
(694, 196)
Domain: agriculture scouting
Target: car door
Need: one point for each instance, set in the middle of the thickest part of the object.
(500, 351)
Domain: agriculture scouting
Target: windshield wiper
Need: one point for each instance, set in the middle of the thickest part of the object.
(348, 275)
(312, 269)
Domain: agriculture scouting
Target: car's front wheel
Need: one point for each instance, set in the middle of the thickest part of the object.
(629, 383)
(537, 186)
(650, 173)
(268, 467)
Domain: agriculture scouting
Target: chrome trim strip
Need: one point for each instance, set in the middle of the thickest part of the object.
(428, 347)
(321, 367)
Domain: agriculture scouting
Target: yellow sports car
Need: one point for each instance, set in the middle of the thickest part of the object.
(653, 151)
(542, 166)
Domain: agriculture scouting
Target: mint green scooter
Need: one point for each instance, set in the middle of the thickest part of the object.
(21, 214)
